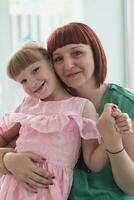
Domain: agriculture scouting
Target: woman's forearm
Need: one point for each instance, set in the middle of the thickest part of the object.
(123, 164)
(3, 151)
(123, 171)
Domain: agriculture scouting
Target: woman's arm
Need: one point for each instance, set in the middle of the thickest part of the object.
(3, 151)
(7, 140)
(25, 168)
(12, 133)
(122, 163)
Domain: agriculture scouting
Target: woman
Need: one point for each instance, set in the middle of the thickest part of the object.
(79, 61)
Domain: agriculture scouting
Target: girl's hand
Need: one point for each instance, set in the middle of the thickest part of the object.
(123, 122)
(26, 171)
(106, 126)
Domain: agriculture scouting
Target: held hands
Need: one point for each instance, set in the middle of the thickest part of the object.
(123, 123)
(112, 124)
(25, 168)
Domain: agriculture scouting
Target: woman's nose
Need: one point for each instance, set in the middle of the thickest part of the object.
(68, 63)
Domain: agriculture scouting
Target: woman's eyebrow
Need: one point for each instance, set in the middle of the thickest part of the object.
(80, 46)
(55, 54)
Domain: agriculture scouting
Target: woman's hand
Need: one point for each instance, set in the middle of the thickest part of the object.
(25, 168)
(120, 147)
(3, 151)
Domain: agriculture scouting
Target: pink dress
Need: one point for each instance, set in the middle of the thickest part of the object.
(53, 130)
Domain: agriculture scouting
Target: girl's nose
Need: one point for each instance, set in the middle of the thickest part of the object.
(32, 83)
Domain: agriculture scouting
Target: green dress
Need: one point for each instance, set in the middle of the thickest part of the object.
(101, 186)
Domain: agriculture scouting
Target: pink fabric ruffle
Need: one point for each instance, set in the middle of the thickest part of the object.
(4, 123)
(56, 123)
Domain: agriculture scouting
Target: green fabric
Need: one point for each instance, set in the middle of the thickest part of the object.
(101, 186)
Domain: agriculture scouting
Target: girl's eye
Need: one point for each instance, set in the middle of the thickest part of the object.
(36, 70)
(57, 59)
(23, 81)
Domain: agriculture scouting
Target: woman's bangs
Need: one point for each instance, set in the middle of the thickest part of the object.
(65, 37)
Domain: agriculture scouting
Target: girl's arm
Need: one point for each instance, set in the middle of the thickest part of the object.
(122, 162)
(94, 154)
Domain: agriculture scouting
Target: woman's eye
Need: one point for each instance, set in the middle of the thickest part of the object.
(57, 59)
(76, 53)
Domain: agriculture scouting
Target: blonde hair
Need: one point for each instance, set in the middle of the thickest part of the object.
(27, 55)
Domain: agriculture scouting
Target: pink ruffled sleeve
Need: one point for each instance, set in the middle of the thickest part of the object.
(5, 123)
(88, 129)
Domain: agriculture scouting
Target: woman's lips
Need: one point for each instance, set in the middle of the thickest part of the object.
(72, 74)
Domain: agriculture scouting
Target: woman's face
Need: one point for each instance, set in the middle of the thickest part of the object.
(74, 64)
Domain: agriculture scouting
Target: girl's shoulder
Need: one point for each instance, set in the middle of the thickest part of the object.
(27, 102)
(79, 103)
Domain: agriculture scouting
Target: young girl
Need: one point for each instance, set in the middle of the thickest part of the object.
(52, 123)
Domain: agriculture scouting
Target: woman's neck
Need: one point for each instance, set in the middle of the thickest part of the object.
(92, 93)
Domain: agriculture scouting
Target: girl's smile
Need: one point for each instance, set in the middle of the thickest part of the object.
(38, 80)
(41, 87)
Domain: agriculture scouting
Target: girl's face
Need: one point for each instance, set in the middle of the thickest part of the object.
(74, 64)
(38, 80)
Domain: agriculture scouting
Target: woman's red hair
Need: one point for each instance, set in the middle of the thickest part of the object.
(76, 33)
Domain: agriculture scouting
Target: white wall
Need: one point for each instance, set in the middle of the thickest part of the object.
(4, 48)
(10, 94)
(106, 18)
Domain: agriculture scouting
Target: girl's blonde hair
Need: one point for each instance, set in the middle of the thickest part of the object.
(27, 55)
